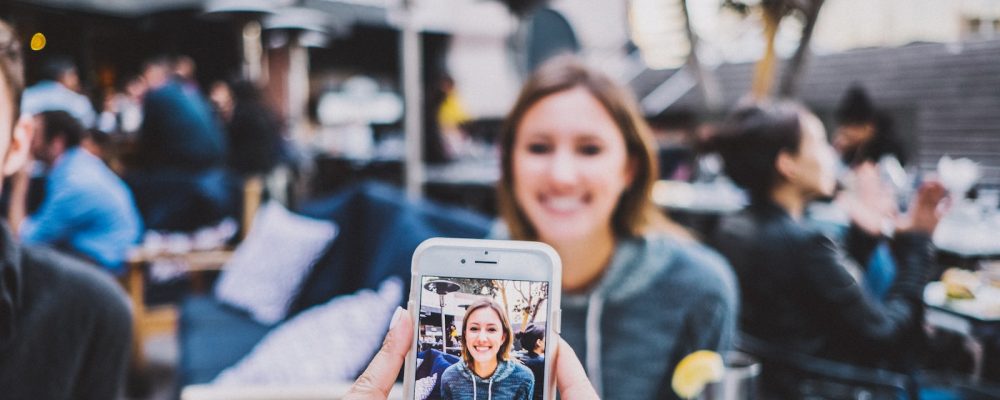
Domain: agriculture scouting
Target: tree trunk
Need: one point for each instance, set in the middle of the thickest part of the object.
(534, 310)
(792, 75)
(503, 294)
(763, 76)
(706, 81)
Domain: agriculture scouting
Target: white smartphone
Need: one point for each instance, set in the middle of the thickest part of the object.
(484, 313)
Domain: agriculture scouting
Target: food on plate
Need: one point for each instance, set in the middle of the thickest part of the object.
(960, 284)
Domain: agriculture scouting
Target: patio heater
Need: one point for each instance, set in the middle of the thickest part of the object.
(248, 14)
(442, 287)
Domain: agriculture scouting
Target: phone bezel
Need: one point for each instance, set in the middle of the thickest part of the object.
(515, 260)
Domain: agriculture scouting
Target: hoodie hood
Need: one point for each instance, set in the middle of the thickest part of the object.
(10, 285)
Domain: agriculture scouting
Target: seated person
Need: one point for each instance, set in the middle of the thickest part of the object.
(867, 142)
(65, 329)
(87, 209)
(431, 365)
(532, 341)
(799, 290)
(178, 176)
(59, 89)
(486, 370)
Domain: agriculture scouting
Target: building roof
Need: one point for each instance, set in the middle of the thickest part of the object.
(945, 97)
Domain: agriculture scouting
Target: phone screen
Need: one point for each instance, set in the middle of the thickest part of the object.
(481, 338)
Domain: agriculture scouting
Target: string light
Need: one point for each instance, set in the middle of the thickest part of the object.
(38, 41)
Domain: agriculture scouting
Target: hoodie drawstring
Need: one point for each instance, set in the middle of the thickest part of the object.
(595, 307)
(475, 390)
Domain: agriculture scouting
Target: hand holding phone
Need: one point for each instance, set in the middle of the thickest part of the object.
(377, 380)
(484, 313)
(483, 321)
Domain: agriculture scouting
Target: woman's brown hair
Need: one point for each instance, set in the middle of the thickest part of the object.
(508, 332)
(635, 213)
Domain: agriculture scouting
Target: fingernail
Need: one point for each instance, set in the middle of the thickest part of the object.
(395, 317)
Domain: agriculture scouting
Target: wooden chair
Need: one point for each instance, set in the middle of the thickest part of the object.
(149, 321)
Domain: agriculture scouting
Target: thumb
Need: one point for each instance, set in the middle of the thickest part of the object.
(571, 379)
(377, 380)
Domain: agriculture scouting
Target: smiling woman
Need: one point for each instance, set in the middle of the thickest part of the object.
(486, 363)
(578, 166)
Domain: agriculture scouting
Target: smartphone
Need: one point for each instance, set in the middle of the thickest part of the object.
(485, 313)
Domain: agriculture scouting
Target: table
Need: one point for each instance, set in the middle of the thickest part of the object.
(698, 206)
(148, 321)
(978, 324)
(717, 198)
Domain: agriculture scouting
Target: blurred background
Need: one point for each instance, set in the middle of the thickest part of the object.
(412, 93)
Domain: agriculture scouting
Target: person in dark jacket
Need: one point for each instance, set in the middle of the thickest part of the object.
(865, 133)
(65, 327)
(532, 340)
(256, 145)
(800, 291)
(178, 176)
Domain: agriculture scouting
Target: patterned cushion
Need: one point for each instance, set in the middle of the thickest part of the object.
(327, 343)
(268, 267)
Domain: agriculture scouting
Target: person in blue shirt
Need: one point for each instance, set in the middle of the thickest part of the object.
(87, 209)
(59, 89)
(65, 327)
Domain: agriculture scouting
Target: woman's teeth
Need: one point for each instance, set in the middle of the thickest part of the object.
(565, 203)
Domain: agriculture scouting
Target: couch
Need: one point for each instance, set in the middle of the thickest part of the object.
(378, 231)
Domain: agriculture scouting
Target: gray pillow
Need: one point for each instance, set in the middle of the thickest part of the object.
(324, 344)
(268, 267)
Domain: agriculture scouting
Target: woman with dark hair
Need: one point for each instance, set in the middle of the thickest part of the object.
(873, 156)
(256, 144)
(864, 132)
(486, 370)
(532, 340)
(799, 289)
(639, 294)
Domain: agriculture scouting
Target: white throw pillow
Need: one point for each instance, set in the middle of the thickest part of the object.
(268, 267)
(327, 343)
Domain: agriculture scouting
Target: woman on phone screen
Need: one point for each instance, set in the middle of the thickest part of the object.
(487, 370)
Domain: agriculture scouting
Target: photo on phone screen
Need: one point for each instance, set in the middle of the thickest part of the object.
(471, 328)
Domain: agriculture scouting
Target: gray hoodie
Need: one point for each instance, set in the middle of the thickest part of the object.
(510, 381)
(659, 300)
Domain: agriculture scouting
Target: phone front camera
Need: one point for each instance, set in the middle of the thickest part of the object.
(463, 261)
(487, 252)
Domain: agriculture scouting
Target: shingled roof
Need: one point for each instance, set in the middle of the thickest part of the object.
(945, 97)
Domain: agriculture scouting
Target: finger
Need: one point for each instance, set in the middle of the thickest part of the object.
(571, 379)
(935, 193)
(377, 380)
(930, 194)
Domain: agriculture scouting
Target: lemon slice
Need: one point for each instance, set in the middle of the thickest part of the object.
(695, 371)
